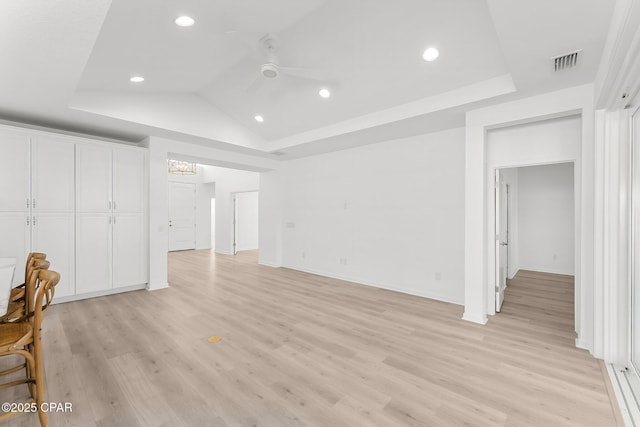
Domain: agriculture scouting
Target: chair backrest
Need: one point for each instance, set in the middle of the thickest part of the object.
(48, 279)
(33, 282)
(30, 259)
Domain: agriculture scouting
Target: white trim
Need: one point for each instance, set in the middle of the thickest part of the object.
(268, 264)
(151, 288)
(429, 295)
(622, 389)
(106, 292)
(475, 318)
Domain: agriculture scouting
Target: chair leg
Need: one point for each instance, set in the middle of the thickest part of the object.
(39, 385)
(30, 374)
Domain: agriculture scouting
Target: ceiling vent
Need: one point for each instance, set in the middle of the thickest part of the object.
(566, 62)
(277, 153)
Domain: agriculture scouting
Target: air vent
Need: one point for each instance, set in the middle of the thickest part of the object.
(277, 153)
(566, 62)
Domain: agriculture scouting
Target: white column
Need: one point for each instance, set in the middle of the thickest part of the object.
(158, 214)
(475, 288)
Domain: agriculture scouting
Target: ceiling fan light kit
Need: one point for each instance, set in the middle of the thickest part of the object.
(269, 70)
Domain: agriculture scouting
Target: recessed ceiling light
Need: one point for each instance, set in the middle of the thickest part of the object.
(184, 21)
(136, 79)
(259, 118)
(430, 54)
(324, 92)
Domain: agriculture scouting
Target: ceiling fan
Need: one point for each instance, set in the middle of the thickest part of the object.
(271, 69)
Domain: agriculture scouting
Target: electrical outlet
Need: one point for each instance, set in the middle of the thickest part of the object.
(290, 225)
(304, 254)
(343, 261)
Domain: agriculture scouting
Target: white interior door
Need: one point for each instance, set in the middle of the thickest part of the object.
(246, 221)
(502, 242)
(182, 216)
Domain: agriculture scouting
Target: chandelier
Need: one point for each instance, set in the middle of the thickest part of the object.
(179, 167)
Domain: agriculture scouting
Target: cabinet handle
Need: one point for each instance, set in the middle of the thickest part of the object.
(27, 219)
(33, 203)
(27, 203)
(114, 205)
(109, 204)
(34, 221)
(114, 219)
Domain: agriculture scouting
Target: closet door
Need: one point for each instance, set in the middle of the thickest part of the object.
(52, 175)
(128, 180)
(14, 243)
(14, 173)
(53, 234)
(129, 255)
(93, 252)
(93, 178)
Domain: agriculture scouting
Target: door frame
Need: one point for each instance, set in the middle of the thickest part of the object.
(490, 248)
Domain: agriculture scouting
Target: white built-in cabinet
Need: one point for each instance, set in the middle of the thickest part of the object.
(80, 201)
(37, 202)
(111, 230)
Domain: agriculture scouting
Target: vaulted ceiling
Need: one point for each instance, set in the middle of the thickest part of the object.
(67, 64)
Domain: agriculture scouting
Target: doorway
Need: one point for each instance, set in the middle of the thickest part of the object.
(245, 221)
(534, 225)
(182, 216)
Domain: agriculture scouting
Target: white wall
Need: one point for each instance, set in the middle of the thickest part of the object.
(389, 214)
(546, 218)
(247, 221)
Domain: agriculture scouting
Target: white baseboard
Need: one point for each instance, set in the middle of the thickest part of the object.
(164, 285)
(475, 318)
(268, 264)
(99, 293)
(380, 286)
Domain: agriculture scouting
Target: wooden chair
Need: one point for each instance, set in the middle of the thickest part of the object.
(17, 292)
(19, 305)
(24, 339)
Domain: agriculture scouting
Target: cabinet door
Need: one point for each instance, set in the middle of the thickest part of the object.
(14, 173)
(128, 180)
(53, 234)
(14, 241)
(93, 252)
(52, 175)
(129, 250)
(93, 178)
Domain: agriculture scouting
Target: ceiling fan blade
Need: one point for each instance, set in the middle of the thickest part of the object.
(255, 85)
(305, 73)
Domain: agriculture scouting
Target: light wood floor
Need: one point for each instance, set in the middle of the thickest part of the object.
(303, 350)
